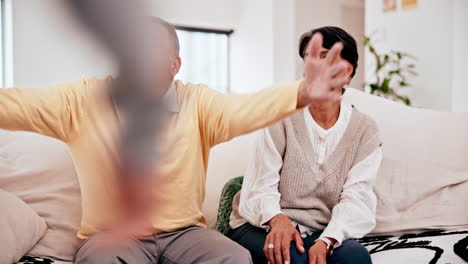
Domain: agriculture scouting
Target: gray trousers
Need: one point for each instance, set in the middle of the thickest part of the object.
(190, 245)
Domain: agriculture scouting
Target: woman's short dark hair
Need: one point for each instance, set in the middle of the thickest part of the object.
(332, 35)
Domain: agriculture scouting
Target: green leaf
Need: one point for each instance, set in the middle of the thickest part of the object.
(366, 41)
(385, 60)
(385, 87)
(405, 100)
(373, 87)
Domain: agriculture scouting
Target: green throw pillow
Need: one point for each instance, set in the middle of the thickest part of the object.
(231, 188)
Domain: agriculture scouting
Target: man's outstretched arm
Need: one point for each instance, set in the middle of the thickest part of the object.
(224, 117)
(54, 111)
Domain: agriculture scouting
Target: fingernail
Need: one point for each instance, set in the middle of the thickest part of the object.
(302, 248)
(286, 262)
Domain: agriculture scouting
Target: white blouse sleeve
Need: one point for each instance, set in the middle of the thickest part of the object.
(354, 215)
(260, 198)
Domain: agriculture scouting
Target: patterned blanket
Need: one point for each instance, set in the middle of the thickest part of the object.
(432, 247)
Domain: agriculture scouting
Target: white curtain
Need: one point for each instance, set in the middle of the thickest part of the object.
(205, 59)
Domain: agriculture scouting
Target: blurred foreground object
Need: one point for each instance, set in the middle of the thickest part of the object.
(137, 94)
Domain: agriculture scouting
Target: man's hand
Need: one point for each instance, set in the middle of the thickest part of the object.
(280, 237)
(318, 253)
(323, 78)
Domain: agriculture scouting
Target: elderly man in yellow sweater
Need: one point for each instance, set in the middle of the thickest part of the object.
(80, 114)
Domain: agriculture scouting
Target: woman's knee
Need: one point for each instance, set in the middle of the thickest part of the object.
(296, 256)
(251, 238)
(350, 252)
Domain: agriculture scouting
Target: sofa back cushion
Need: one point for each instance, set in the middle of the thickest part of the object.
(423, 180)
(39, 171)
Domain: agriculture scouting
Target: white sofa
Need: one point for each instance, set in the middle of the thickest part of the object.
(422, 185)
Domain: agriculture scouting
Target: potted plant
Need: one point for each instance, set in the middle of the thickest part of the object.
(391, 71)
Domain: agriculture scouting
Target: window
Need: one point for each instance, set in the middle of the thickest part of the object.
(6, 44)
(205, 57)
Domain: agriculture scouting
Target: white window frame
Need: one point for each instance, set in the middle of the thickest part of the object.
(6, 43)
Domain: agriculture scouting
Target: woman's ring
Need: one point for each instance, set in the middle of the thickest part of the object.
(271, 246)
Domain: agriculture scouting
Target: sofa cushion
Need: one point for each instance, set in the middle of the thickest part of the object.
(39, 170)
(20, 228)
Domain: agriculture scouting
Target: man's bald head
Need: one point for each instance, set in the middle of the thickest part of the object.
(171, 33)
(166, 57)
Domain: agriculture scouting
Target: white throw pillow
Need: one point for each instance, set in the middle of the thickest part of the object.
(39, 170)
(20, 228)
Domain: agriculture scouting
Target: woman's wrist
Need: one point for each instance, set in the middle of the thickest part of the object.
(329, 243)
(276, 219)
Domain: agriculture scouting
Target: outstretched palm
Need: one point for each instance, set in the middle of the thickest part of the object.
(323, 78)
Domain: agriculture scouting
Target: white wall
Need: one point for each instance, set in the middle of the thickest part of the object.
(284, 40)
(427, 33)
(252, 47)
(262, 45)
(49, 47)
(460, 56)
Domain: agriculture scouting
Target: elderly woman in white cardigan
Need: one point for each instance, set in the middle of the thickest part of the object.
(308, 190)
